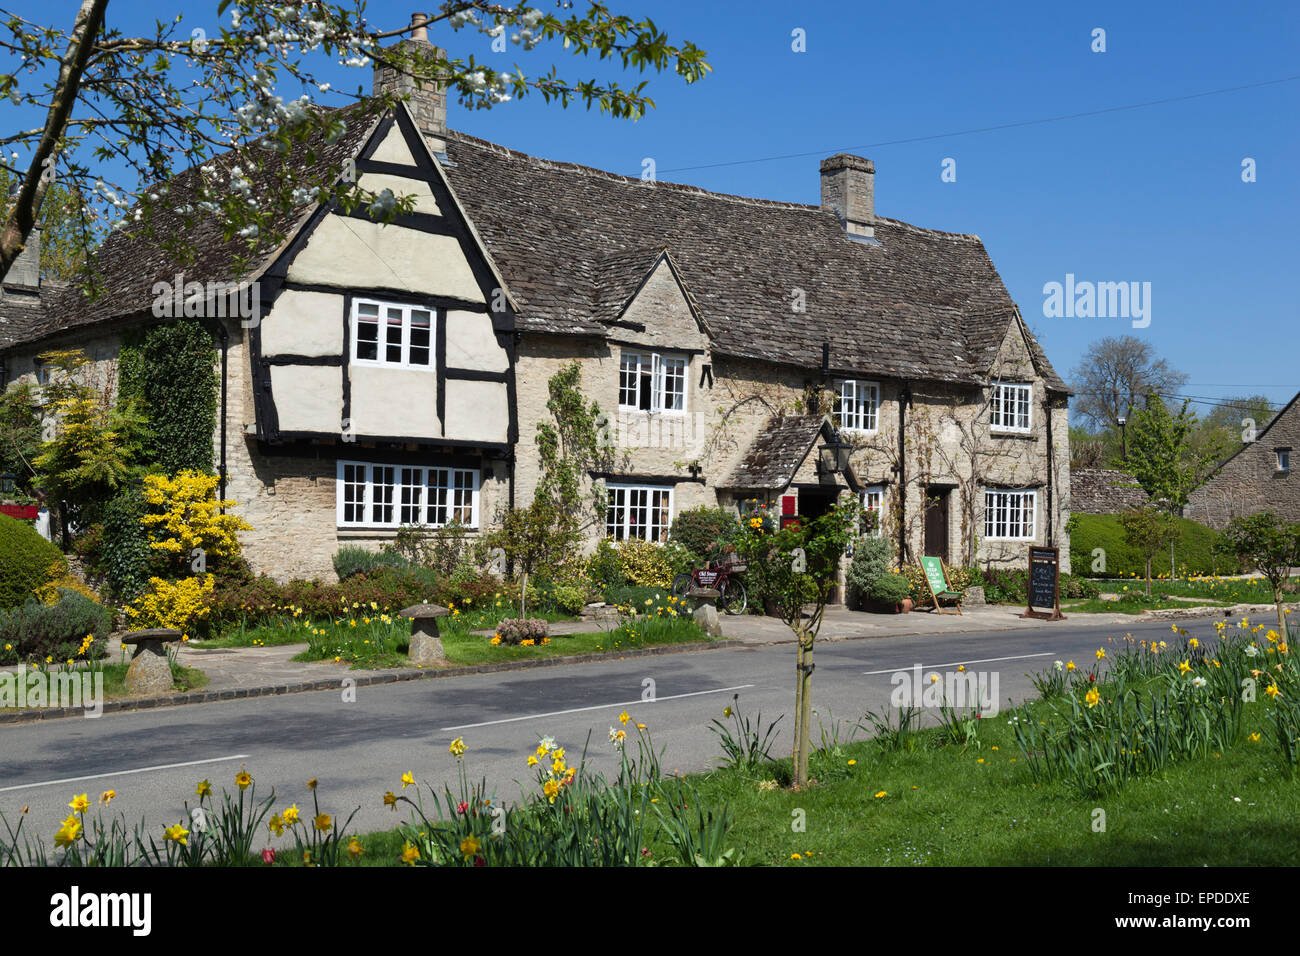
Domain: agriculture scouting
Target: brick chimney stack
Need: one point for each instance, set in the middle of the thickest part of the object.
(849, 191)
(428, 102)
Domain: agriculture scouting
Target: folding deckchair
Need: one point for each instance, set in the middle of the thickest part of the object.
(937, 582)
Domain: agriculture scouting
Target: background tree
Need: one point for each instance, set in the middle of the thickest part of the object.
(1226, 425)
(108, 116)
(1269, 546)
(796, 568)
(66, 234)
(1162, 460)
(1114, 375)
(570, 449)
(1147, 531)
(20, 434)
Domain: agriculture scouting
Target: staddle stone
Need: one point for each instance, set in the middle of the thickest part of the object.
(426, 646)
(150, 673)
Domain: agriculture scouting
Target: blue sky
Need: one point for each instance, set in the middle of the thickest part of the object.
(1146, 195)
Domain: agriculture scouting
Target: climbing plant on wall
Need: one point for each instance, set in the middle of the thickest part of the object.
(171, 370)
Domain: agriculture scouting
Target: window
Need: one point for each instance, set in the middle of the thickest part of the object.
(43, 370)
(859, 404)
(652, 383)
(638, 511)
(372, 495)
(873, 500)
(1284, 459)
(1009, 515)
(387, 333)
(1010, 406)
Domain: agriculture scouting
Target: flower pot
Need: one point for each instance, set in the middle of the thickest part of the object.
(906, 606)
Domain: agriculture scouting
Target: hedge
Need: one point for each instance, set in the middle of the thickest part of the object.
(38, 631)
(27, 561)
(1193, 551)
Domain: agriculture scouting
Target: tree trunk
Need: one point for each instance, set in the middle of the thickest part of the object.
(802, 707)
(523, 595)
(1281, 617)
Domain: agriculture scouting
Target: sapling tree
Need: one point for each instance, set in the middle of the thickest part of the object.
(111, 115)
(1163, 461)
(1146, 530)
(796, 569)
(1268, 545)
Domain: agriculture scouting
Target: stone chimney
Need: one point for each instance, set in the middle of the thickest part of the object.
(849, 191)
(26, 269)
(428, 103)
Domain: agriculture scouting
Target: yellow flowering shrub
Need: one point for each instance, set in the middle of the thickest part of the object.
(644, 563)
(187, 515)
(49, 593)
(176, 604)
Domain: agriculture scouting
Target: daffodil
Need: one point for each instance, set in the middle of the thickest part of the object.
(80, 803)
(407, 779)
(457, 748)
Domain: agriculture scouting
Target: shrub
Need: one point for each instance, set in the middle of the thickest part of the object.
(513, 630)
(645, 563)
(49, 593)
(38, 631)
(121, 552)
(1194, 550)
(604, 567)
(704, 531)
(1011, 586)
(871, 560)
(187, 516)
(352, 560)
(181, 605)
(27, 561)
(889, 589)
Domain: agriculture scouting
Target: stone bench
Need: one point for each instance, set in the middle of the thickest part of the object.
(150, 673)
(426, 645)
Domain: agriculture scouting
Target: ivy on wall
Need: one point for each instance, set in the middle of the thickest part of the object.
(171, 370)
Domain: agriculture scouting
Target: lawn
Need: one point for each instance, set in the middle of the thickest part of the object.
(375, 638)
(183, 679)
(1211, 592)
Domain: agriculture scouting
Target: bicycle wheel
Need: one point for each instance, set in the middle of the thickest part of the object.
(681, 585)
(734, 600)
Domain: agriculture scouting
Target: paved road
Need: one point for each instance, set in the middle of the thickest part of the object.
(358, 750)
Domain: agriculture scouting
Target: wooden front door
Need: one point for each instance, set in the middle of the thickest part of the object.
(936, 523)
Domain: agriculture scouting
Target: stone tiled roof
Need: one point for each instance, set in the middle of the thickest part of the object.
(922, 304)
(776, 452)
(20, 316)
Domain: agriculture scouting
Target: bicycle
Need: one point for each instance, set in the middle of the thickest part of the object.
(722, 575)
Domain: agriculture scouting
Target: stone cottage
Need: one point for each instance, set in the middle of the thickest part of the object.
(1256, 478)
(395, 375)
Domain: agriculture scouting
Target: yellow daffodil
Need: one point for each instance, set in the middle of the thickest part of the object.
(457, 748)
(407, 779)
(80, 803)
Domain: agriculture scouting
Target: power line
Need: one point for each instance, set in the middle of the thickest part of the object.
(987, 129)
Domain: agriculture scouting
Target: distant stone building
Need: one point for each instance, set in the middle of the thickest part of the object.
(1257, 478)
(1104, 491)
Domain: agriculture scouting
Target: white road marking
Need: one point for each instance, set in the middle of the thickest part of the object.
(987, 660)
(578, 710)
(123, 773)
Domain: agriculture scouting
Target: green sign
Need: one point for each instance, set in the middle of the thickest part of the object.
(934, 574)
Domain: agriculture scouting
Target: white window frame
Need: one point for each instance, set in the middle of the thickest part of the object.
(998, 400)
(1283, 459)
(407, 495)
(851, 411)
(620, 526)
(878, 494)
(1005, 510)
(380, 360)
(661, 366)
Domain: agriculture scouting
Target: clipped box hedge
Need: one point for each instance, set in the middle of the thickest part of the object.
(1193, 551)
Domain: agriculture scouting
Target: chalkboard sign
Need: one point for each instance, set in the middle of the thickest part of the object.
(1044, 584)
